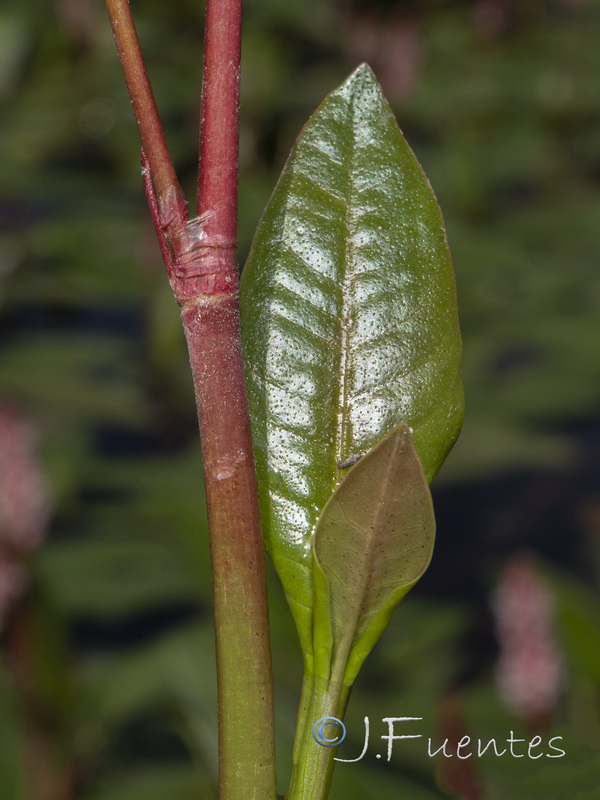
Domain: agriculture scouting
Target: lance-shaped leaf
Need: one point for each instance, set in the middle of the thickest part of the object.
(349, 320)
(373, 541)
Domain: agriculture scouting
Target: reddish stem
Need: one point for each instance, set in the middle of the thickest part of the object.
(211, 323)
(144, 108)
(218, 173)
(200, 256)
(246, 733)
(154, 208)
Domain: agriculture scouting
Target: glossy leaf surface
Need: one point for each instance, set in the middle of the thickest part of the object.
(373, 541)
(349, 320)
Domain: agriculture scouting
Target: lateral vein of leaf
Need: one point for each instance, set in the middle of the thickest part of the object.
(291, 497)
(271, 381)
(345, 546)
(371, 187)
(393, 330)
(392, 537)
(324, 152)
(294, 431)
(298, 603)
(287, 557)
(300, 203)
(341, 583)
(386, 379)
(307, 301)
(284, 243)
(300, 500)
(351, 524)
(326, 190)
(296, 324)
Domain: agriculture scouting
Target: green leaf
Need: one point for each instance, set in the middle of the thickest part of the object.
(349, 320)
(372, 543)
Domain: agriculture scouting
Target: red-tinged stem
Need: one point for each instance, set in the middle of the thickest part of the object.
(246, 734)
(144, 108)
(200, 255)
(219, 135)
(212, 327)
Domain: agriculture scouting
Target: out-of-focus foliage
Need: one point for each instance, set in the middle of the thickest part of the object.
(500, 101)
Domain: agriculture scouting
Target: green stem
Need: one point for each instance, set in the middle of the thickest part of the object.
(303, 712)
(313, 765)
(246, 731)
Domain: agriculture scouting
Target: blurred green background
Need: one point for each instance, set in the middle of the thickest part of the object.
(107, 687)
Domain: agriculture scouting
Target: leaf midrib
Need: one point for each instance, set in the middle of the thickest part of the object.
(346, 326)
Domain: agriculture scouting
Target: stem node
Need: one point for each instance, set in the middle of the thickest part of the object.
(200, 257)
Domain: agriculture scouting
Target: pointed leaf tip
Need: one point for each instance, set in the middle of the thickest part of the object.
(359, 85)
(361, 73)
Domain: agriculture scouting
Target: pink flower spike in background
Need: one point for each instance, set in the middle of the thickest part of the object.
(24, 504)
(529, 671)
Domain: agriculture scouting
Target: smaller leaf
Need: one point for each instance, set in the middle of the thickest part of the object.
(373, 541)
